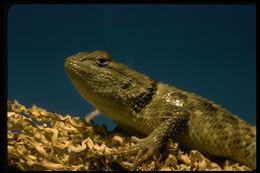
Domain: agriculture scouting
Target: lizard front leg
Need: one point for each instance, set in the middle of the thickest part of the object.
(146, 147)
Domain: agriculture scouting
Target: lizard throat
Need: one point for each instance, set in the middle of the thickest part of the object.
(144, 98)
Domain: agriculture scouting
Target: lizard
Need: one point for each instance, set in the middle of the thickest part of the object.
(159, 111)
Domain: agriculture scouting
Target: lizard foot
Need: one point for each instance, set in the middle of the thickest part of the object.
(147, 146)
(144, 148)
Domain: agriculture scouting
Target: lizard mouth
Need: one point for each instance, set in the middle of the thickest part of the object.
(75, 72)
(73, 68)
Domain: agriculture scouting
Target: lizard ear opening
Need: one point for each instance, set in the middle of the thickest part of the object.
(102, 61)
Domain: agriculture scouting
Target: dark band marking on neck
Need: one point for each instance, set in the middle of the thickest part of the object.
(144, 98)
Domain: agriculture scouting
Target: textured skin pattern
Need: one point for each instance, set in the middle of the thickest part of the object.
(159, 111)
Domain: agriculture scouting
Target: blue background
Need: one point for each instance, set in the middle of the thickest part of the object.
(206, 49)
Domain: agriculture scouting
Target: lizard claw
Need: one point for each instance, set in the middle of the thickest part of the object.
(144, 148)
(147, 146)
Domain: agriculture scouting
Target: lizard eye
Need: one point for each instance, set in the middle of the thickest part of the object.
(102, 61)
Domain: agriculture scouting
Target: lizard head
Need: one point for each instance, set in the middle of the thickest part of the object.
(105, 83)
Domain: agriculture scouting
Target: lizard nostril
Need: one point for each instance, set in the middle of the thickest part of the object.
(82, 58)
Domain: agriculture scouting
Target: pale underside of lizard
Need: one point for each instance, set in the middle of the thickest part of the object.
(141, 105)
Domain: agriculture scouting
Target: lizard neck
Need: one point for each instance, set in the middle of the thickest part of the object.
(144, 98)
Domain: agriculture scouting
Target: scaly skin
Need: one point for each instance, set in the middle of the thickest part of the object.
(141, 105)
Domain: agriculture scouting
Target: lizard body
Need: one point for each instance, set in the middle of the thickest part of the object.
(141, 105)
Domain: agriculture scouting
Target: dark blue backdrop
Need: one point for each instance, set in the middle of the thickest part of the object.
(209, 50)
